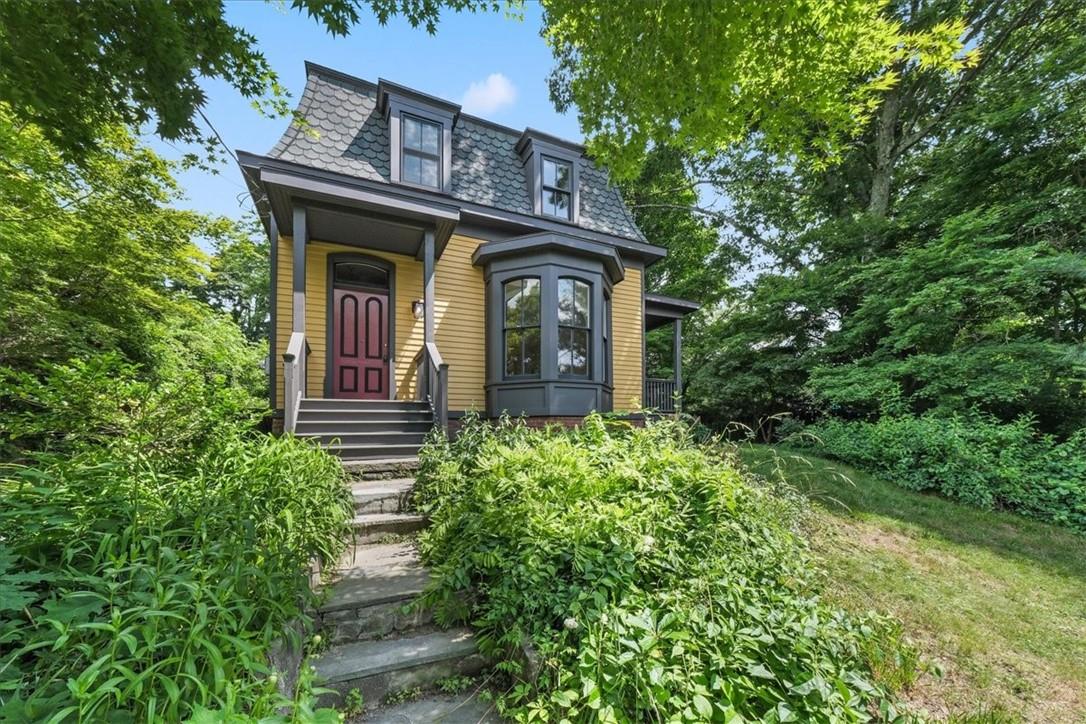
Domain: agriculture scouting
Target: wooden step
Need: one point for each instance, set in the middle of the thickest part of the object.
(349, 425)
(386, 666)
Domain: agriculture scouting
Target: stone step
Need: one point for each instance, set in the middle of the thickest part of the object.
(373, 452)
(391, 495)
(371, 527)
(466, 708)
(378, 468)
(387, 666)
(372, 596)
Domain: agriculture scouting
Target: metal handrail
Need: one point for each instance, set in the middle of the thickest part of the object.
(294, 360)
(433, 386)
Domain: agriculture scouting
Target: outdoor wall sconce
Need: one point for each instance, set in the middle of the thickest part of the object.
(418, 308)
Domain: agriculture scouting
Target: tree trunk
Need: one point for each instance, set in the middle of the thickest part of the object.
(878, 204)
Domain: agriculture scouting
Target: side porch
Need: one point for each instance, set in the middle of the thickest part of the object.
(664, 393)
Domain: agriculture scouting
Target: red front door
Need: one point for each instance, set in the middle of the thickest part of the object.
(359, 344)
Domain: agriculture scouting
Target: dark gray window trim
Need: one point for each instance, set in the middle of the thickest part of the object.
(439, 156)
(505, 329)
(389, 267)
(396, 105)
(544, 188)
(575, 276)
(533, 146)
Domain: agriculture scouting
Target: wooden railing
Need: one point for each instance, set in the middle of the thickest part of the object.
(660, 394)
(294, 370)
(432, 383)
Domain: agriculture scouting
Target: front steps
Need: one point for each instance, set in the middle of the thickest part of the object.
(380, 645)
(365, 429)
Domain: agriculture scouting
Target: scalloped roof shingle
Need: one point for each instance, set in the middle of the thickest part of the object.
(344, 132)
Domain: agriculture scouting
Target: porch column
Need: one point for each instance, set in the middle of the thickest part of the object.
(273, 249)
(301, 236)
(428, 285)
(677, 363)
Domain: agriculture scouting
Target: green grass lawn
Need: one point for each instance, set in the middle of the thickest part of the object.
(997, 602)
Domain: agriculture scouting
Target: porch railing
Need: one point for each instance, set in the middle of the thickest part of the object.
(294, 378)
(432, 383)
(660, 394)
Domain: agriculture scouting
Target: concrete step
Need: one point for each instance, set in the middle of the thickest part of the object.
(394, 438)
(349, 425)
(392, 495)
(466, 708)
(379, 668)
(372, 596)
(373, 452)
(371, 527)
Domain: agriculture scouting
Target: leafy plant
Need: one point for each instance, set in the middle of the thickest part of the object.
(973, 459)
(651, 579)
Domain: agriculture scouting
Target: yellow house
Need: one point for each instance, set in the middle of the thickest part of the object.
(426, 263)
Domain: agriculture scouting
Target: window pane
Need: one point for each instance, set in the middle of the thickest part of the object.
(556, 203)
(573, 351)
(429, 172)
(572, 302)
(430, 140)
(412, 169)
(581, 296)
(514, 344)
(562, 174)
(412, 132)
(522, 302)
(531, 351)
(557, 174)
(360, 274)
(522, 351)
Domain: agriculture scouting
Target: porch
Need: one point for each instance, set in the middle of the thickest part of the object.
(664, 394)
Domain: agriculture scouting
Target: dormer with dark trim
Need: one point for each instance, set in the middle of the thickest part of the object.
(552, 166)
(420, 129)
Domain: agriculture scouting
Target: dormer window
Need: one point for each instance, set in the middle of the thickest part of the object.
(551, 167)
(421, 161)
(420, 129)
(557, 188)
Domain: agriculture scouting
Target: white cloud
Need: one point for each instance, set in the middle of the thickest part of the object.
(489, 95)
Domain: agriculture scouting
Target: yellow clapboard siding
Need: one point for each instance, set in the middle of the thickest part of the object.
(460, 321)
(626, 328)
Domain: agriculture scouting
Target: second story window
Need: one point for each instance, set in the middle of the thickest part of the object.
(421, 159)
(557, 188)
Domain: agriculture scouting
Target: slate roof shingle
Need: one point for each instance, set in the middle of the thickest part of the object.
(344, 132)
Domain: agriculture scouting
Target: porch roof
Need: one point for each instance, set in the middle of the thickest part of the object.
(661, 310)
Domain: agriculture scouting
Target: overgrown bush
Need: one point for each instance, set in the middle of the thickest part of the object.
(153, 547)
(133, 593)
(647, 577)
(976, 460)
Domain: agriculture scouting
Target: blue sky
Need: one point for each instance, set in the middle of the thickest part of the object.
(496, 66)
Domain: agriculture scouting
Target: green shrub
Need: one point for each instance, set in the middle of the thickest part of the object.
(976, 460)
(652, 579)
(136, 590)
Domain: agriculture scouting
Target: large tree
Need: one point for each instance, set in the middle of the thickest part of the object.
(961, 290)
